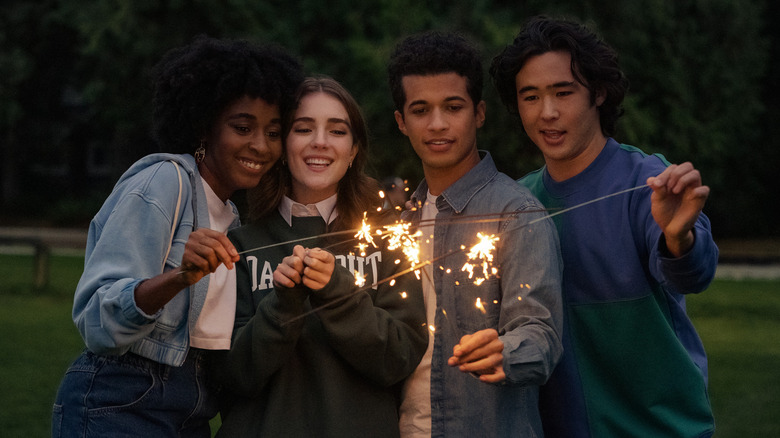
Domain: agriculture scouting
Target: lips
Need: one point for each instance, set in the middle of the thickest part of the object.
(250, 164)
(439, 144)
(317, 161)
(552, 136)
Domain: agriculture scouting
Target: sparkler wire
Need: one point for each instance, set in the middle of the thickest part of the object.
(428, 262)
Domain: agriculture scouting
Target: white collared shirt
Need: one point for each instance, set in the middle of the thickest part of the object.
(325, 209)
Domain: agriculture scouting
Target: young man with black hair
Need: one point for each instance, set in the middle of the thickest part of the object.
(633, 364)
(491, 344)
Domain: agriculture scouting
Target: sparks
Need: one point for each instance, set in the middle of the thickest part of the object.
(360, 280)
(364, 233)
(479, 305)
(482, 252)
(398, 236)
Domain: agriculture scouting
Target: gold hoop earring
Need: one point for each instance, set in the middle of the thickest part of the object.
(200, 152)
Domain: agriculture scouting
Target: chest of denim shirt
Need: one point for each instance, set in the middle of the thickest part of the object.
(486, 201)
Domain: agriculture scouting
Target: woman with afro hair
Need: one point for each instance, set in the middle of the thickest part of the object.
(156, 296)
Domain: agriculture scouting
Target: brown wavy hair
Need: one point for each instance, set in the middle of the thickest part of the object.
(357, 192)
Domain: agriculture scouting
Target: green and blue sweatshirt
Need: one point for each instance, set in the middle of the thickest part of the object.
(633, 364)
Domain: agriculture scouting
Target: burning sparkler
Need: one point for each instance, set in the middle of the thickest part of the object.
(399, 236)
(482, 251)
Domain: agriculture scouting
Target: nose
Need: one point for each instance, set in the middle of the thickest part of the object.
(549, 109)
(320, 138)
(259, 142)
(438, 121)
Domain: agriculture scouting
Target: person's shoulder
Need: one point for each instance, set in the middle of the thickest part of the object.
(642, 162)
(531, 177)
(510, 194)
(158, 169)
(640, 156)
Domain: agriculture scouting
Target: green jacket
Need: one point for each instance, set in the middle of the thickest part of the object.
(332, 373)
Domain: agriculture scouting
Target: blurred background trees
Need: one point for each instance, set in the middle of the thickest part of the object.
(75, 99)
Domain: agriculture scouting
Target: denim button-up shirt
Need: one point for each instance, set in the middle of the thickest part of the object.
(522, 301)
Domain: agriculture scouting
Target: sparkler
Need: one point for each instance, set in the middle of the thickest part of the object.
(483, 251)
(398, 235)
(364, 232)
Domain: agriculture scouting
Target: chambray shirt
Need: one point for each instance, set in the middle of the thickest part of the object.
(522, 301)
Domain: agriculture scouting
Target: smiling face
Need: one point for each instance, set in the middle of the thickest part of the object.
(320, 147)
(558, 115)
(243, 145)
(441, 122)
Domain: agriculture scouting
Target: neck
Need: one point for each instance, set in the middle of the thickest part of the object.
(569, 167)
(440, 178)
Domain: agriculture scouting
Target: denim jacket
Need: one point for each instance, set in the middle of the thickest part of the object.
(522, 302)
(126, 244)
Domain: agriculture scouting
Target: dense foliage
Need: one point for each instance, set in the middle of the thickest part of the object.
(75, 99)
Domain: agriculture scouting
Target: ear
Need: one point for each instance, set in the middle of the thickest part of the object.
(353, 153)
(479, 113)
(399, 119)
(601, 96)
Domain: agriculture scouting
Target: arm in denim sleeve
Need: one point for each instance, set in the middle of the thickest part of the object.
(530, 323)
(125, 249)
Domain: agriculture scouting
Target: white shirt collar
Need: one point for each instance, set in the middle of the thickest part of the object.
(326, 209)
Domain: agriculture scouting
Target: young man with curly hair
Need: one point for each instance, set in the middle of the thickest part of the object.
(492, 343)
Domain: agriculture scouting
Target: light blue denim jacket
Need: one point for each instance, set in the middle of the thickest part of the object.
(522, 302)
(127, 242)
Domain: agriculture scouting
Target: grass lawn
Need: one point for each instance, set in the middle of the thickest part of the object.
(738, 321)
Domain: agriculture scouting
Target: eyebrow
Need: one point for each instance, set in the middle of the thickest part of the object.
(330, 120)
(448, 99)
(561, 84)
(249, 116)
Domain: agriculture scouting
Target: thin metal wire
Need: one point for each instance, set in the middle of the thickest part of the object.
(421, 264)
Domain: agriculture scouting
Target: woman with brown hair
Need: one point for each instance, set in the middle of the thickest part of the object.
(313, 353)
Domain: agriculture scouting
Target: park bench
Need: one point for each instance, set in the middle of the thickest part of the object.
(42, 241)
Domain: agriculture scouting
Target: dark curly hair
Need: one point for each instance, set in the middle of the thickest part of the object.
(193, 84)
(432, 53)
(593, 63)
(357, 192)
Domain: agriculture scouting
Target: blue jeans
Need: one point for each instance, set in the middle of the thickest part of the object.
(130, 395)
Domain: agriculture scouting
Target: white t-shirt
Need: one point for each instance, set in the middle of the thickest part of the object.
(416, 394)
(214, 326)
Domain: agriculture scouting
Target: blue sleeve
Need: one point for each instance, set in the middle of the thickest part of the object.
(692, 272)
(126, 249)
(531, 310)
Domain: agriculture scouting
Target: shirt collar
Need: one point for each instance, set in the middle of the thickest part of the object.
(461, 191)
(326, 209)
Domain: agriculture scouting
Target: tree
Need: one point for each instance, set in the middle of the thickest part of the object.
(76, 102)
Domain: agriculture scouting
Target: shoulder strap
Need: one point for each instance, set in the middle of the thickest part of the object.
(175, 216)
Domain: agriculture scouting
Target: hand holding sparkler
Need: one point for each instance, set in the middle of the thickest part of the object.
(311, 267)
(480, 353)
(678, 198)
(204, 251)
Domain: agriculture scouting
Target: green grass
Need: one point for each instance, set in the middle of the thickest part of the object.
(739, 324)
(737, 320)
